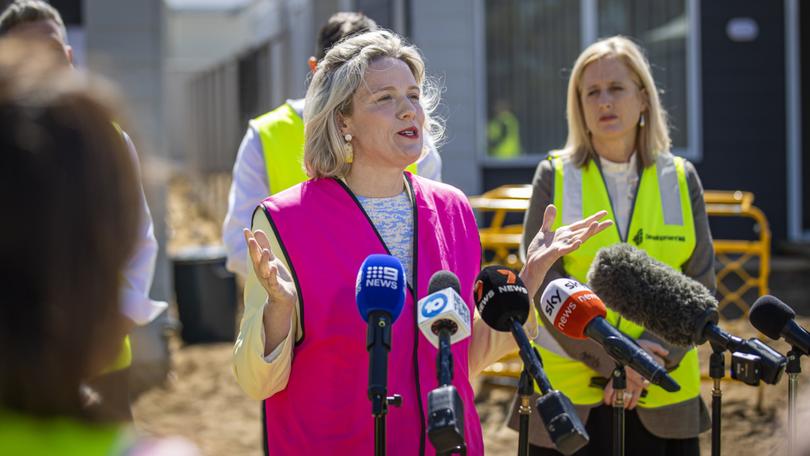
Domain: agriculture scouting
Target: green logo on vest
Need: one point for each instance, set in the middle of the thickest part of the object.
(639, 237)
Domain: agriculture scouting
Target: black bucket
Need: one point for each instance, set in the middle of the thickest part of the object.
(206, 295)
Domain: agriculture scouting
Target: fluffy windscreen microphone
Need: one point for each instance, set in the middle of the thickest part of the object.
(501, 297)
(650, 293)
(775, 319)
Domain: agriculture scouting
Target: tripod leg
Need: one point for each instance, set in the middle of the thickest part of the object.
(525, 388)
(619, 385)
(717, 416)
(793, 385)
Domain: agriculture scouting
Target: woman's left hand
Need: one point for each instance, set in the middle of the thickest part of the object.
(548, 246)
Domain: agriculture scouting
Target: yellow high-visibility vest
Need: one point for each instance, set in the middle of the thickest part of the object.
(661, 224)
(503, 133)
(24, 435)
(282, 136)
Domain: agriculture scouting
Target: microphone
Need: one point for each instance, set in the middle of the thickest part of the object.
(579, 313)
(673, 306)
(444, 319)
(774, 318)
(380, 295)
(503, 302)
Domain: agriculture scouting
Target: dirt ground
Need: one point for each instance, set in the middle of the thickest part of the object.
(202, 402)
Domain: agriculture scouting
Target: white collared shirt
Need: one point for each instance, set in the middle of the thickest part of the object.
(621, 180)
(140, 269)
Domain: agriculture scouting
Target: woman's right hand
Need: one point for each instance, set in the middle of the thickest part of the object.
(270, 271)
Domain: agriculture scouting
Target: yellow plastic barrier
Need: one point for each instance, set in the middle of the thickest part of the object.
(734, 254)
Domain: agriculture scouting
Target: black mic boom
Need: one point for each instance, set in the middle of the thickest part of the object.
(503, 302)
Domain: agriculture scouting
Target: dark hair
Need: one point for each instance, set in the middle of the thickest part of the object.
(341, 26)
(70, 195)
(25, 11)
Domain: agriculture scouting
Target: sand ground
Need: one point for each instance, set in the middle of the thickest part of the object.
(202, 402)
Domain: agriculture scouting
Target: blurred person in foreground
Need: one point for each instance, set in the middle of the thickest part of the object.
(38, 21)
(302, 343)
(617, 158)
(67, 179)
(270, 157)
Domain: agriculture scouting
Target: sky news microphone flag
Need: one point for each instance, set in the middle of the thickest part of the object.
(577, 312)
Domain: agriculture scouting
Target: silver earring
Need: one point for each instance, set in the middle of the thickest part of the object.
(641, 121)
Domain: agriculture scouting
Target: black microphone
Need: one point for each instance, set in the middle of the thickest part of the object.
(673, 306)
(503, 302)
(444, 318)
(579, 313)
(774, 318)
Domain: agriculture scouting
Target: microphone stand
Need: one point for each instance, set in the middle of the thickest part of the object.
(445, 408)
(717, 370)
(793, 369)
(525, 389)
(379, 407)
(619, 380)
(378, 344)
(556, 410)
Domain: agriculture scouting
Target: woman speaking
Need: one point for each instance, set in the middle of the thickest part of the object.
(301, 346)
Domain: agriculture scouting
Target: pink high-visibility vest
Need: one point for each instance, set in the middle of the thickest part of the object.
(326, 235)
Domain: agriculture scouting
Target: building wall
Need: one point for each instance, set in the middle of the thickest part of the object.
(450, 35)
(744, 120)
(124, 42)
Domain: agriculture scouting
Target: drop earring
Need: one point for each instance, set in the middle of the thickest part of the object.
(641, 121)
(347, 147)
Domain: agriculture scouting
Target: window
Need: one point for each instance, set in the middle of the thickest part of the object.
(531, 47)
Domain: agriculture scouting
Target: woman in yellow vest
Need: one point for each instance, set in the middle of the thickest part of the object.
(617, 158)
(71, 202)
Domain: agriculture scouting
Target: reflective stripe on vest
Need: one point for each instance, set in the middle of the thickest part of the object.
(661, 224)
(281, 132)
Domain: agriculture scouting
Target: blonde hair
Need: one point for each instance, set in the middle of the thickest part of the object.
(337, 78)
(651, 140)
